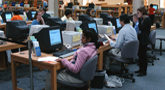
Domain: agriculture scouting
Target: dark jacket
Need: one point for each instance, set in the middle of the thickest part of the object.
(144, 28)
(45, 17)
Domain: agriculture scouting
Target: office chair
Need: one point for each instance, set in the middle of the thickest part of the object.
(152, 39)
(128, 52)
(86, 73)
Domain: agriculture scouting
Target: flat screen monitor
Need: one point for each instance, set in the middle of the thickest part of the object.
(33, 13)
(155, 6)
(50, 39)
(118, 23)
(8, 16)
(92, 25)
(13, 3)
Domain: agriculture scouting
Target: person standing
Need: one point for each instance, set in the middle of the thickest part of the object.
(143, 36)
(45, 4)
(135, 20)
(151, 13)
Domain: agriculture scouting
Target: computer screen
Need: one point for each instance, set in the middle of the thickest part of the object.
(8, 16)
(21, 4)
(53, 40)
(118, 23)
(13, 3)
(92, 25)
(0, 5)
(33, 13)
(155, 6)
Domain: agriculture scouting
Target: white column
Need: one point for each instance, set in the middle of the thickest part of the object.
(53, 6)
(137, 4)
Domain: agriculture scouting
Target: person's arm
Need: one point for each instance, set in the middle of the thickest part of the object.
(42, 20)
(13, 18)
(33, 23)
(120, 39)
(81, 59)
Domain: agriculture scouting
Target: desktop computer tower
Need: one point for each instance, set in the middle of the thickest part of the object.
(105, 29)
(72, 38)
(99, 21)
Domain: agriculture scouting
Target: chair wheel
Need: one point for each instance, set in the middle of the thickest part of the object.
(133, 80)
(152, 64)
(131, 75)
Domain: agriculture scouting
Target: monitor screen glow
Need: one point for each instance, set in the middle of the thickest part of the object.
(33, 13)
(155, 6)
(92, 25)
(8, 16)
(55, 37)
(118, 23)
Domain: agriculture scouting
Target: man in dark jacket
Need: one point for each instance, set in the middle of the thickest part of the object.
(45, 15)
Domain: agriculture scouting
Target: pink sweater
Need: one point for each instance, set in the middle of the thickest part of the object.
(83, 54)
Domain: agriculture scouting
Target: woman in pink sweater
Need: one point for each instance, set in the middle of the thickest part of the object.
(73, 67)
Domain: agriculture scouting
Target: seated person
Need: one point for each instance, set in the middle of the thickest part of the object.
(16, 16)
(45, 15)
(126, 34)
(38, 19)
(67, 16)
(135, 20)
(89, 49)
(89, 12)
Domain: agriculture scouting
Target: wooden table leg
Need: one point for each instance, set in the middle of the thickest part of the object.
(13, 70)
(100, 61)
(53, 78)
(2, 60)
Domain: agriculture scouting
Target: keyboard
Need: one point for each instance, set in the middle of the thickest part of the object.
(64, 53)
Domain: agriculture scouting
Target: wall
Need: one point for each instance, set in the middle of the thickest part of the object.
(107, 1)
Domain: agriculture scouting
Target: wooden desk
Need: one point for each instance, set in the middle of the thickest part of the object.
(3, 25)
(53, 66)
(4, 47)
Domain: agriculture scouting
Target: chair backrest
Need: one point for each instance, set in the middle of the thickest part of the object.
(152, 37)
(88, 70)
(130, 49)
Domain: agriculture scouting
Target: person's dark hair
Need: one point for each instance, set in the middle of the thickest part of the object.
(44, 9)
(35, 17)
(125, 18)
(91, 33)
(15, 12)
(142, 10)
(88, 11)
(151, 5)
(67, 12)
(135, 15)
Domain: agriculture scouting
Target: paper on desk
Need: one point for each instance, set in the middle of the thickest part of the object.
(49, 58)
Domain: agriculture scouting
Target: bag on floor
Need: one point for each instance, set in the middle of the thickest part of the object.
(113, 81)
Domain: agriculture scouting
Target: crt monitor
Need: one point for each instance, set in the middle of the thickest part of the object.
(85, 17)
(155, 6)
(91, 5)
(89, 24)
(118, 25)
(70, 5)
(13, 3)
(6, 16)
(50, 39)
(31, 14)
(106, 18)
(22, 4)
(17, 30)
(56, 21)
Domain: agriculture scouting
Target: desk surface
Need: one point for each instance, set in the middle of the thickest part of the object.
(9, 46)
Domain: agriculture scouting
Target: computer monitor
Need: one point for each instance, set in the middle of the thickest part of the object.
(71, 25)
(70, 5)
(13, 3)
(106, 18)
(89, 24)
(21, 4)
(85, 17)
(91, 5)
(6, 16)
(56, 21)
(36, 29)
(0, 5)
(118, 25)
(17, 30)
(31, 14)
(50, 39)
(155, 6)
(105, 29)
(20, 11)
